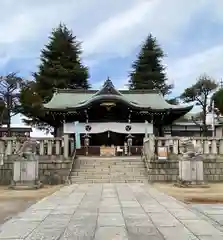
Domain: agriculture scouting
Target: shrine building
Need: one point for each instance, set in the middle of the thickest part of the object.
(111, 117)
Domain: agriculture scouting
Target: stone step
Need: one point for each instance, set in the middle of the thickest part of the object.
(117, 158)
(107, 174)
(110, 170)
(109, 161)
(111, 166)
(109, 177)
(108, 181)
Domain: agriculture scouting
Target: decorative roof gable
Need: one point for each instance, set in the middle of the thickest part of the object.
(108, 89)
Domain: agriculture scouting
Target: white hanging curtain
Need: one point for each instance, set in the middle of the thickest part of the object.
(126, 128)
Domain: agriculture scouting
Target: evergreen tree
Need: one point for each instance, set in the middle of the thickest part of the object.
(60, 67)
(148, 71)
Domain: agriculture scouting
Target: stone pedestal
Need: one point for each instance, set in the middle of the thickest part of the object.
(26, 169)
(191, 169)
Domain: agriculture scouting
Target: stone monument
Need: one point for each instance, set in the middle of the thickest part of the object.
(26, 167)
(191, 171)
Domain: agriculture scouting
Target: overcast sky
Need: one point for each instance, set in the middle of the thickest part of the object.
(111, 31)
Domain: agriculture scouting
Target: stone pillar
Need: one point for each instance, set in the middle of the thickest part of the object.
(58, 146)
(206, 147)
(49, 147)
(152, 145)
(221, 146)
(2, 152)
(214, 146)
(66, 145)
(41, 148)
(175, 146)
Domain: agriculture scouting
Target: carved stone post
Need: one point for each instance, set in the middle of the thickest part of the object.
(191, 166)
(26, 167)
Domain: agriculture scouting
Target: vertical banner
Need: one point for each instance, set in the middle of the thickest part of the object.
(77, 135)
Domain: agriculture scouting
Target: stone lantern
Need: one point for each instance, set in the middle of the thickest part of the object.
(86, 142)
(129, 142)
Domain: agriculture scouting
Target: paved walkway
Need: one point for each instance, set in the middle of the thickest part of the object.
(109, 211)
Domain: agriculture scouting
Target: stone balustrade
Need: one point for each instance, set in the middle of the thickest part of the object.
(44, 147)
(64, 146)
(205, 145)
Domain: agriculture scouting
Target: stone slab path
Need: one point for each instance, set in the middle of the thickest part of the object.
(109, 212)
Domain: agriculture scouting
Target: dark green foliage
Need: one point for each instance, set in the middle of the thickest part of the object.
(218, 101)
(60, 67)
(199, 93)
(173, 101)
(148, 71)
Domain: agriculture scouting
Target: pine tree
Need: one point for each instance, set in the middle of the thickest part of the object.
(148, 71)
(60, 67)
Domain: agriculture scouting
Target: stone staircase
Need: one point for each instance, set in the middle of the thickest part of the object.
(109, 170)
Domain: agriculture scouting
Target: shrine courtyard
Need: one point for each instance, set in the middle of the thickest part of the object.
(114, 211)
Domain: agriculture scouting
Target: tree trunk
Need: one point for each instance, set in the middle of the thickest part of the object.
(204, 119)
(55, 131)
(9, 106)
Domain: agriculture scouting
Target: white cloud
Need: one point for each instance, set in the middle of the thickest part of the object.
(185, 71)
(109, 28)
(106, 27)
(17, 122)
(124, 31)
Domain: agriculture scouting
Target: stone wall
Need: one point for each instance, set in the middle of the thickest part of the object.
(213, 168)
(163, 171)
(168, 171)
(53, 171)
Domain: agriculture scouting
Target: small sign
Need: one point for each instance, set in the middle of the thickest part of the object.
(162, 153)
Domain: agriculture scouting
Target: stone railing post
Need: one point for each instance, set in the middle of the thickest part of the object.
(175, 146)
(9, 146)
(66, 145)
(17, 145)
(2, 151)
(49, 147)
(206, 146)
(41, 147)
(58, 146)
(221, 146)
(151, 145)
(214, 146)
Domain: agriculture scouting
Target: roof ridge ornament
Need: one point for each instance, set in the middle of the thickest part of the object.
(108, 83)
(108, 89)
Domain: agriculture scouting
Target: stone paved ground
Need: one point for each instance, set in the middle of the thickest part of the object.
(212, 213)
(109, 211)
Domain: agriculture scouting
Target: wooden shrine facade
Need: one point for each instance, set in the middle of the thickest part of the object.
(109, 117)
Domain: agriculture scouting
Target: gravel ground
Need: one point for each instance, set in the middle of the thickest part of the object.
(12, 202)
(211, 195)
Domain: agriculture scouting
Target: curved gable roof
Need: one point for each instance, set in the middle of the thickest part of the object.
(76, 99)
